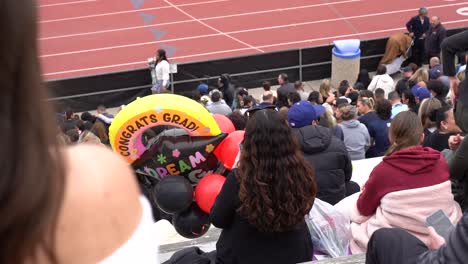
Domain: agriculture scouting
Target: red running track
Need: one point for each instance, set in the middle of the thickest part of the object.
(83, 37)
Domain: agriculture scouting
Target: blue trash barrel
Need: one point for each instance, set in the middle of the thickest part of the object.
(345, 61)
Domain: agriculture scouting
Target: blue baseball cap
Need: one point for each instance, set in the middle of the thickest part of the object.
(202, 88)
(435, 73)
(420, 92)
(302, 114)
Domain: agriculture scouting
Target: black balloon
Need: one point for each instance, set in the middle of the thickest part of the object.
(173, 194)
(174, 152)
(191, 223)
(146, 188)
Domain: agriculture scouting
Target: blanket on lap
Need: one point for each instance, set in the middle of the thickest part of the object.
(407, 209)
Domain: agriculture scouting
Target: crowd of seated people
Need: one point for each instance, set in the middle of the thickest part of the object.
(335, 126)
(416, 123)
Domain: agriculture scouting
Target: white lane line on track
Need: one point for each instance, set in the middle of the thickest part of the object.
(340, 15)
(128, 11)
(241, 49)
(212, 28)
(201, 19)
(67, 3)
(240, 31)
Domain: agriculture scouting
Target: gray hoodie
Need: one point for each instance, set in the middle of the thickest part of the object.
(356, 139)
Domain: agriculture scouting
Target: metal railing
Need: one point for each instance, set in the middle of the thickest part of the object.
(300, 67)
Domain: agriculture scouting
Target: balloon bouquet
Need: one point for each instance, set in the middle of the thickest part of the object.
(179, 152)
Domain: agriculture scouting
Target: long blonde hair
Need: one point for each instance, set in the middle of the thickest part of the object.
(325, 88)
(421, 75)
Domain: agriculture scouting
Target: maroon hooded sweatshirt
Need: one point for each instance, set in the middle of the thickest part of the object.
(411, 168)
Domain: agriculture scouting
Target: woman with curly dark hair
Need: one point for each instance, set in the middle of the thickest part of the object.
(262, 205)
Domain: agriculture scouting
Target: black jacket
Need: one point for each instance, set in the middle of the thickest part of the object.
(328, 155)
(437, 141)
(228, 94)
(434, 39)
(283, 92)
(459, 173)
(454, 250)
(450, 47)
(414, 26)
(242, 243)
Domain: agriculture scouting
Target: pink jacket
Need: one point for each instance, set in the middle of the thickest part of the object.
(407, 209)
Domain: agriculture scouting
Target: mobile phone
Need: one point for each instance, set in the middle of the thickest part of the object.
(441, 223)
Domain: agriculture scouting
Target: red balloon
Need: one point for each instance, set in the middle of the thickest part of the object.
(224, 123)
(207, 190)
(227, 150)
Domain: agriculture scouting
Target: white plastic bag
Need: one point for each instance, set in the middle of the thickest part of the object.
(330, 230)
